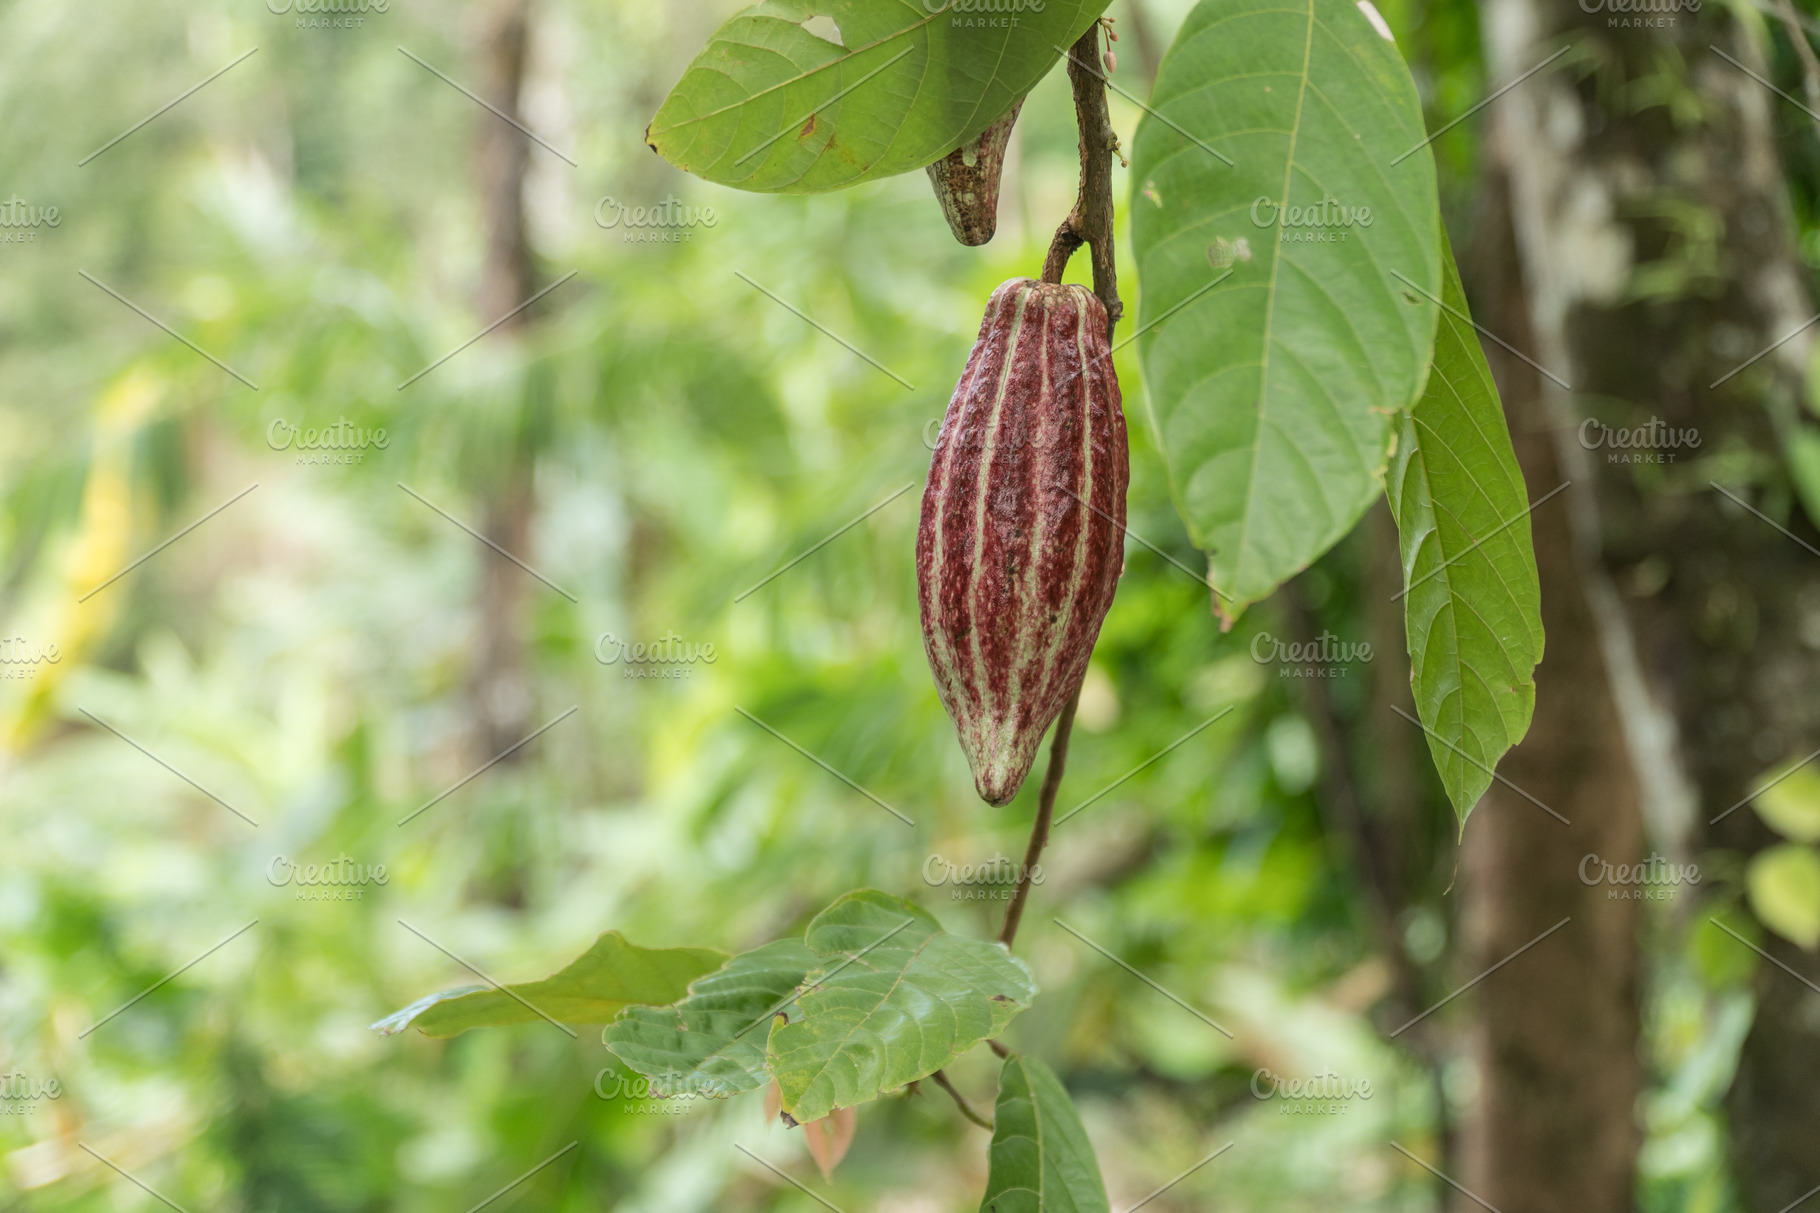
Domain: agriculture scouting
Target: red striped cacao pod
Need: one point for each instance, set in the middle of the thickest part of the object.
(1015, 570)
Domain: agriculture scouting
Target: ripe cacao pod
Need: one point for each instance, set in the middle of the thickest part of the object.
(1015, 569)
(966, 181)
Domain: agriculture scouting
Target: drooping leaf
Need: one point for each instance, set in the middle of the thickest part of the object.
(1472, 610)
(893, 998)
(1784, 887)
(713, 1040)
(610, 976)
(829, 1138)
(774, 104)
(1273, 392)
(1041, 1160)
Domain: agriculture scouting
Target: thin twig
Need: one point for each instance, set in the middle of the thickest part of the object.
(1810, 66)
(941, 1080)
(1090, 222)
(1045, 810)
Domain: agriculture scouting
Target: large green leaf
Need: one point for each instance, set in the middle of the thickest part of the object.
(1042, 1161)
(1273, 393)
(894, 999)
(773, 106)
(1472, 611)
(1784, 887)
(608, 977)
(714, 1040)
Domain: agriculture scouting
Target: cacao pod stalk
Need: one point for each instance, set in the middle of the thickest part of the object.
(966, 181)
(1015, 570)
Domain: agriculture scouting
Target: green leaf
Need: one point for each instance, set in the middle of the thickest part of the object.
(1041, 1160)
(1273, 393)
(605, 979)
(894, 999)
(1790, 802)
(773, 107)
(1784, 887)
(715, 1038)
(1473, 609)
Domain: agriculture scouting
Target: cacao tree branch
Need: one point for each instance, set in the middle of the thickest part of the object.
(941, 1080)
(1090, 222)
(1045, 810)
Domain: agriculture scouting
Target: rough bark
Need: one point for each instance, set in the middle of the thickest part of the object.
(1657, 255)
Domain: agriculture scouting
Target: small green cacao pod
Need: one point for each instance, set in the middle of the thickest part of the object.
(1021, 541)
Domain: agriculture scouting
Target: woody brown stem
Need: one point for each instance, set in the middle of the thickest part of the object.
(1045, 811)
(941, 1080)
(1090, 222)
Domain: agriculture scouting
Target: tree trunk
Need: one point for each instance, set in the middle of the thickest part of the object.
(1555, 1038)
(1658, 257)
(499, 693)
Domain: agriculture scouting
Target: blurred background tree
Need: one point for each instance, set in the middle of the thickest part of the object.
(655, 436)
